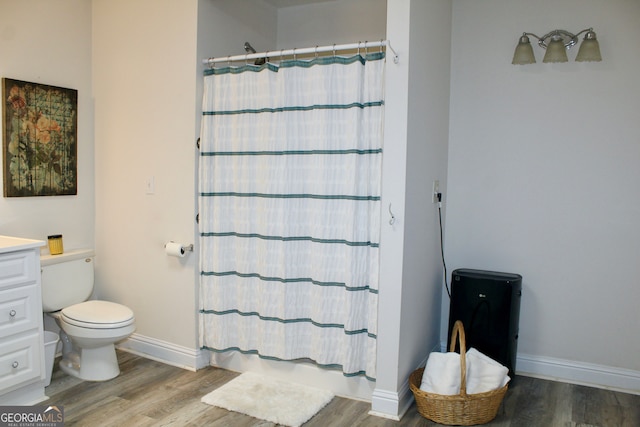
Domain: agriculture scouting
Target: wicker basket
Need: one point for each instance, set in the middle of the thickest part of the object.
(462, 409)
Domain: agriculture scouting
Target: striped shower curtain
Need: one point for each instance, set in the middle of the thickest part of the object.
(289, 202)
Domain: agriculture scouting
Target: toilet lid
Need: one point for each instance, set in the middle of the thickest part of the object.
(98, 314)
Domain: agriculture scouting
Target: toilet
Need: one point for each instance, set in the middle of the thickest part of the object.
(88, 328)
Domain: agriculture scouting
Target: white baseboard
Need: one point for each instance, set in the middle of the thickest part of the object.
(393, 405)
(165, 352)
(28, 395)
(385, 404)
(574, 372)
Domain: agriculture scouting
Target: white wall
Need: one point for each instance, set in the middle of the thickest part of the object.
(544, 176)
(147, 77)
(416, 138)
(224, 26)
(50, 43)
(385, 398)
(333, 22)
(144, 63)
(427, 147)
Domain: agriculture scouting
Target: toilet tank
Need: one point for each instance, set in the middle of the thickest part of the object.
(67, 279)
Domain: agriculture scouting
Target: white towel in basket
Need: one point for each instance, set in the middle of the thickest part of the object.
(442, 374)
(484, 373)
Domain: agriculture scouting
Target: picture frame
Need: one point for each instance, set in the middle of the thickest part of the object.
(39, 139)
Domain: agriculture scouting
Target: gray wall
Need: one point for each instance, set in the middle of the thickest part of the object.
(544, 176)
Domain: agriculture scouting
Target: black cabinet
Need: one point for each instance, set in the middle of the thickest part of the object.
(488, 304)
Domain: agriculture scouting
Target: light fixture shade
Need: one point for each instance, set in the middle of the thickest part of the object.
(589, 49)
(556, 52)
(524, 52)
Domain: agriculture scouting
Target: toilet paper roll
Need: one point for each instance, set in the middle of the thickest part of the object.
(174, 249)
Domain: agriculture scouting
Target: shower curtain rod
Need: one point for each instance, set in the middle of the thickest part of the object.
(296, 51)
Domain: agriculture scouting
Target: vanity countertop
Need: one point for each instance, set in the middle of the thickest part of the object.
(9, 244)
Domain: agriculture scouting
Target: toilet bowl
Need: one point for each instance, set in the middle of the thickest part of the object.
(92, 328)
(88, 329)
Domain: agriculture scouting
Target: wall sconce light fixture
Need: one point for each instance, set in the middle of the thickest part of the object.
(557, 42)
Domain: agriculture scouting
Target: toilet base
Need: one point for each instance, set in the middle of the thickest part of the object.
(90, 354)
(92, 364)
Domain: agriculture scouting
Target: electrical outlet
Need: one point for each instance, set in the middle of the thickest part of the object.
(436, 190)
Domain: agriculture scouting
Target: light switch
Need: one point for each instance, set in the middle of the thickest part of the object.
(151, 185)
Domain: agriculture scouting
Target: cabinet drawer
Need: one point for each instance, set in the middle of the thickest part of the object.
(19, 310)
(19, 360)
(17, 268)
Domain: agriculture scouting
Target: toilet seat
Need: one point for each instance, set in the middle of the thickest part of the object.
(98, 315)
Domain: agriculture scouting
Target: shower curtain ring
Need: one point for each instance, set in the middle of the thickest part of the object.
(294, 54)
(366, 49)
(316, 51)
(246, 61)
(334, 49)
(359, 47)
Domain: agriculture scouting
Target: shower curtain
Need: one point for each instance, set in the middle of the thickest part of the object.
(289, 203)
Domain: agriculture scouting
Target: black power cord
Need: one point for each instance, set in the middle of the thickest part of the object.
(444, 265)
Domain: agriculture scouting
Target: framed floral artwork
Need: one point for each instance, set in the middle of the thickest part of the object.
(39, 140)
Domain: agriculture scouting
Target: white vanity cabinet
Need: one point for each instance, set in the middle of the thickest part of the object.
(22, 366)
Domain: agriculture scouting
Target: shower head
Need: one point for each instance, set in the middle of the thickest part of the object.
(249, 49)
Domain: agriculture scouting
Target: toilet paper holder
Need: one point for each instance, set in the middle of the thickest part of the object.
(186, 248)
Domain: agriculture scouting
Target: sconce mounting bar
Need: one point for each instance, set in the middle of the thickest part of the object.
(569, 39)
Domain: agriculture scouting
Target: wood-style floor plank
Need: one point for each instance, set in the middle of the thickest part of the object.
(150, 393)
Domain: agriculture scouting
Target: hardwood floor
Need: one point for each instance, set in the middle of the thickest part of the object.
(149, 393)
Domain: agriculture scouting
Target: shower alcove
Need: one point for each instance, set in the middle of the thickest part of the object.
(414, 155)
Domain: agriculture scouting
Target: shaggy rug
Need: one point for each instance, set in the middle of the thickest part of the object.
(269, 399)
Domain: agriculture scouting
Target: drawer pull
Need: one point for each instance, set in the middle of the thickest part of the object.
(12, 313)
(15, 364)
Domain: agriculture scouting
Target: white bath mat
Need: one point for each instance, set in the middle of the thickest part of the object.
(269, 399)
